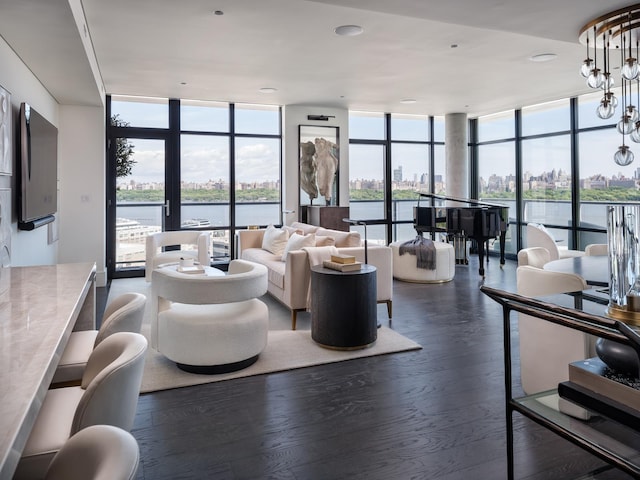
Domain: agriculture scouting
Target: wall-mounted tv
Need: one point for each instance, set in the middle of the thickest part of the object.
(38, 169)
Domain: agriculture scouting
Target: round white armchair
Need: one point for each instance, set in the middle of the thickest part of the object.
(210, 324)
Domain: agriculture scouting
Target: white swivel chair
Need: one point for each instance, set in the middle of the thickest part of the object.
(108, 395)
(156, 242)
(123, 314)
(534, 256)
(597, 249)
(539, 236)
(210, 324)
(98, 452)
(547, 349)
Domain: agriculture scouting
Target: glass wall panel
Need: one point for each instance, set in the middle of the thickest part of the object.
(260, 119)
(546, 182)
(438, 129)
(204, 185)
(366, 181)
(603, 182)
(410, 170)
(496, 168)
(497, 183)
(141, 111)
(366, 126)
(257, 169)
(546, 118)
(440, 170)
(204, 116)
(499, 126)
(409, 127)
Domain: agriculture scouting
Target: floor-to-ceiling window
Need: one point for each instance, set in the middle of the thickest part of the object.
(546, 167)
(391, 159)
(191, 165)
(410, 167)
(553, 164)
(496, 166)
(367, 167)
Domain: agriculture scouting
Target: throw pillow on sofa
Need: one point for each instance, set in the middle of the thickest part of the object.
(342, 239)
(322, 241)
(275, 240)
(296, 242)
(291, 230)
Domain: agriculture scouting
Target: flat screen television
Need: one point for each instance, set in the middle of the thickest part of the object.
(38, 169)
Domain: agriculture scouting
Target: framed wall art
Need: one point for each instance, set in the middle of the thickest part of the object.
(319, 165)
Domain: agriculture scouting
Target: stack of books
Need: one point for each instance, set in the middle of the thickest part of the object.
(342, 263)
(596, 387)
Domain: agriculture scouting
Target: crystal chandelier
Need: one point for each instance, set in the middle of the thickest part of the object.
(618, 31)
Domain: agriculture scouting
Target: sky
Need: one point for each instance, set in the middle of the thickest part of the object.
(206, 158)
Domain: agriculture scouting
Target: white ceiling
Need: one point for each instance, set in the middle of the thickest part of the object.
(150, 47)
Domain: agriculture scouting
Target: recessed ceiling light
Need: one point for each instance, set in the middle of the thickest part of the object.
(543, 57)
(218, 12)
(268, 90)
(454, 45)
(183, 83)
(348, 30)
(408, 101)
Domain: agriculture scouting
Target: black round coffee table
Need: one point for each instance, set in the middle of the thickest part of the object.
(344, 311)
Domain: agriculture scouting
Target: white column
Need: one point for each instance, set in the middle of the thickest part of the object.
(456, 155)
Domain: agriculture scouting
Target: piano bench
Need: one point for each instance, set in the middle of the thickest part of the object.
(405, 266)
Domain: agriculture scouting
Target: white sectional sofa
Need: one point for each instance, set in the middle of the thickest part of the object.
(289, 280)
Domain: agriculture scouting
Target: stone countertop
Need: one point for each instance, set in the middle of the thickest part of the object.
(39, 306)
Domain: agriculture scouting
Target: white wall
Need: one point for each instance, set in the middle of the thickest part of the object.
(81, 199)
(81, 175)
(293, 116)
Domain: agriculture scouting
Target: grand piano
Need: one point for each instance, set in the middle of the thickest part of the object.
(480, 221)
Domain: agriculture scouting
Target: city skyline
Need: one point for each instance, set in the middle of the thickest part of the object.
(558, 178)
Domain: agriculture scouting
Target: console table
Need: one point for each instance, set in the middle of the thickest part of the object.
(39, 307)
(612, 442)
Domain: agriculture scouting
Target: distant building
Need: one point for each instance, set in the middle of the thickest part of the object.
(397, 174)
(623, 183)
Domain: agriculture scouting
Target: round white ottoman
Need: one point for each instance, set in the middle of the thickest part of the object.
(405, 269)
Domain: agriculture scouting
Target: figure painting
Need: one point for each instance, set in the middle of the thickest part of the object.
(5, 133)
(319, 163)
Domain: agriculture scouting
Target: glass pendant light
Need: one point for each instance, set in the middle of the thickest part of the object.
(630, 69)
(608, 81)
(625, 125)
(623, 156)
(605, 110)
(586, 68)
(595, 79)
(635, 134)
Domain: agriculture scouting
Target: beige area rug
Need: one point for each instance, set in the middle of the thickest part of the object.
(286, 349)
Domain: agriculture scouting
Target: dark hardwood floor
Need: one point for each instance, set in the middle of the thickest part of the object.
(436, 413)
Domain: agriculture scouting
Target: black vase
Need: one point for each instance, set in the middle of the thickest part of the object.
(618, 357)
